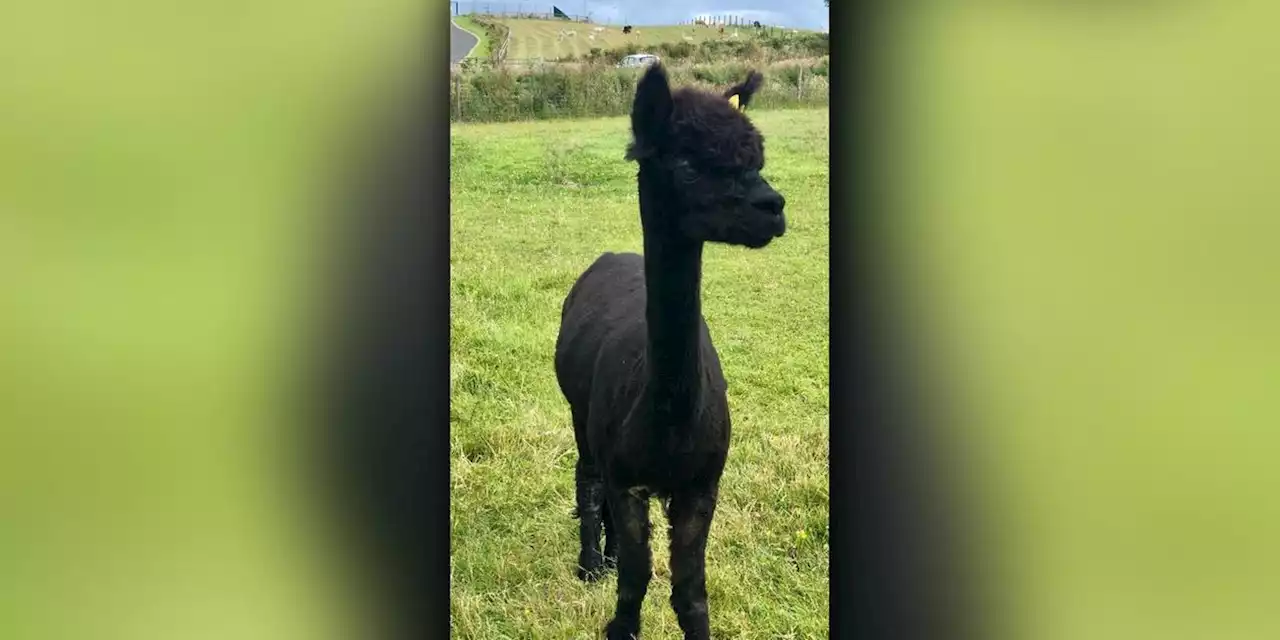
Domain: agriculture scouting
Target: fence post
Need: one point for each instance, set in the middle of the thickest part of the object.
(457, 91)
(800, 86)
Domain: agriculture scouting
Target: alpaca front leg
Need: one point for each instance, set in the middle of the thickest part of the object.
(635, 561)
(690, 518)
(591, 511)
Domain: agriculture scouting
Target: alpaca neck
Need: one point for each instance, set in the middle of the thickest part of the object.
(673, 280)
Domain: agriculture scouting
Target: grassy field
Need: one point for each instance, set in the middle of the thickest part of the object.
(532, 205)
(551, 39)
(483, 46)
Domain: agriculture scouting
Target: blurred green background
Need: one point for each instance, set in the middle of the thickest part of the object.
(163, 168)
(1090, 222)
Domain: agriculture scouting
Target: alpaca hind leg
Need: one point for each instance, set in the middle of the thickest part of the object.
(630, 512)
(590, 512)
(689, 516)
(610, 538)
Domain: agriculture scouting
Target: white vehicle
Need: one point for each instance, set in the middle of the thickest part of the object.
(638, 60)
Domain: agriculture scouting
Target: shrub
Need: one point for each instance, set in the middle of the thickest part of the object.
(675, 50)
(752, 45)
(496, 33)
(486, 94)
(822, 68)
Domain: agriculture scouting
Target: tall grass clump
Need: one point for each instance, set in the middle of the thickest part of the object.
(480, 93)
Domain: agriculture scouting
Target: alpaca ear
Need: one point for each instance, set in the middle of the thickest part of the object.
(745, 90)
(651, 112)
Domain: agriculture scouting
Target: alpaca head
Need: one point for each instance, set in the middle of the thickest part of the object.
(700, 157)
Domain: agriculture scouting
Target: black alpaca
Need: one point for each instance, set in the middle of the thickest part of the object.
(634, 357)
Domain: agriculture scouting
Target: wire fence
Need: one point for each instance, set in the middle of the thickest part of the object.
(529, 10)
(721, 20)
(737, 24)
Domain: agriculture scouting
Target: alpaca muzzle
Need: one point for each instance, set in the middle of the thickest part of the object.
(766, 199)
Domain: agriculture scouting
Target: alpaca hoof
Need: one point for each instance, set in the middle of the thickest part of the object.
(592, 575)
(618, 629)
(594, 569)
(593, 566)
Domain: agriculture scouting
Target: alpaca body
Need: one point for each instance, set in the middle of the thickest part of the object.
(602, 364)
(634, 357)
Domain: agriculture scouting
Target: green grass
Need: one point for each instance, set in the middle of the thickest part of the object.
(532, 205)
(543, 39)
(483, 46)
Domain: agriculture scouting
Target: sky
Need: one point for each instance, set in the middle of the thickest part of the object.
(807, 14)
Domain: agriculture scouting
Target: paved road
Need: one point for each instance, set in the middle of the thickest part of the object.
(460, 43)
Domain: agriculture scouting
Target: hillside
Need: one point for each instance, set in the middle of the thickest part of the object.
(553, 39)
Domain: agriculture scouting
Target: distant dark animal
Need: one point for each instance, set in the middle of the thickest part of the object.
(634, 357)
(626, 29)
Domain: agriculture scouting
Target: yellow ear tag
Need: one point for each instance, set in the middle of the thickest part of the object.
(733, 101)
